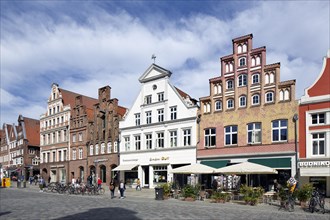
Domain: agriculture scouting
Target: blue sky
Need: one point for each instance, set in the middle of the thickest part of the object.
(84, 45)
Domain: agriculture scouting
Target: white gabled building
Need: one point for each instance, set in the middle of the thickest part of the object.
(159, 131)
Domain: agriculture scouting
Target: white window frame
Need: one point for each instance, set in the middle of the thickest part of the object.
(127, 143)
(316, 149)
(80, 153)
(254, 97)
(230, 104)
(74, 154)
(317, 120)
(230, 84)
(160, 143)
(254, 131)
(148, 117)
(242, 80)
(255, 78)
(160, 115)
(160, 96)
(242, 61)
(173, 138)
(242, 99)
(210, 137)
(279, 130)
(231, 134)
(103, 148)
(186, 136)
(91, 150)
(218, 105)
(269, 97)
(173, 112)
(137, 119)
(148, 99)
(137, 139)
(148, 141)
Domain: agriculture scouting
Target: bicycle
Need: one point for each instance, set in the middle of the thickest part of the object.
(289, 202)
(317, 199)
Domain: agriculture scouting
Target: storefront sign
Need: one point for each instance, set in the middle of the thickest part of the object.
(159, 158)
(314, 164)
(100, 160)
(130, 160)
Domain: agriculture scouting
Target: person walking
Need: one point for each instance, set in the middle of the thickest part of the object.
(99, 183)
(122, 189)
(138, 184)
(112, 189)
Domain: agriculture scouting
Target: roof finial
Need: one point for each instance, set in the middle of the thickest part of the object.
(153, 57)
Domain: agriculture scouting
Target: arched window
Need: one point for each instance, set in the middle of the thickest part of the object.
(218, 105)
(205, 108)
(255, 78)
(215, 89)
(256, 99)
(286, 94)
(253, 61)
(219, 89)
(96, 149)
(258, 60)
(269, 97)
(281, 95)
(239, 49)
(244, 48)
(230, 84)
(242, 80)
(271, 78)
(227, 68)
(208, 107)
(266, 78)
(231, 67)
(91, 150)
(242, 61)
(230, 103)
(242, 101)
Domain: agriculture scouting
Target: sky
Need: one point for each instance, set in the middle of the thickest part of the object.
(85, 45)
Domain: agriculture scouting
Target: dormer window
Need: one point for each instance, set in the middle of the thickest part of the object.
(242, 61)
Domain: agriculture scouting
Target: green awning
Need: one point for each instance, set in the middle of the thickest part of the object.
(215, 163)
(273, 162)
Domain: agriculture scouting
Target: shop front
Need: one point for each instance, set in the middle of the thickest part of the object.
(316, 172)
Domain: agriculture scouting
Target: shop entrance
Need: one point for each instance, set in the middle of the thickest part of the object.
(146, 175)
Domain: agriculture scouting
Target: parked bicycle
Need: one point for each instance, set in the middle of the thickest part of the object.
(317, 200)
(289, 202)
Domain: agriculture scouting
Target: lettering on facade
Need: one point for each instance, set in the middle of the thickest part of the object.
(314, 164)
(100, 160)
(130, 160)
(159, 158)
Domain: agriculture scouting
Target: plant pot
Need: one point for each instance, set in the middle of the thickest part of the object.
(189, 199)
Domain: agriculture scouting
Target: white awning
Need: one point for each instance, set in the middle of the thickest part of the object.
(125, 167)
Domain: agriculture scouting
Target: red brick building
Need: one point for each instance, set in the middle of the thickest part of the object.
(248, 114)
(314, 130)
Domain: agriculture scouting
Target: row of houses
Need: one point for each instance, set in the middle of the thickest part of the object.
(249, 115)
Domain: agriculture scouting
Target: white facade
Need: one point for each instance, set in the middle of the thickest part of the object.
(159, 131)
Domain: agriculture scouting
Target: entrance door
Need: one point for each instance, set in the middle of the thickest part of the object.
(146, 175)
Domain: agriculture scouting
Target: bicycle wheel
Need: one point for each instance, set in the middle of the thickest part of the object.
(291, 205)
(322, 202)
(312, 205)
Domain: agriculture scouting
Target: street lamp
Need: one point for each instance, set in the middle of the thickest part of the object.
(295, 119)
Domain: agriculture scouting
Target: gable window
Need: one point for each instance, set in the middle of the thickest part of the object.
(160, 96)
(279, 130)
(74, 154)
(230, 103)
(186, 137)
(242, 101)
(210, 137)
(255, 78)
(127, 143)
(318, 118)
(255, 99)
(218, 105)
(231, 135)
(160, 115)
(137, 119)
(149, 141)
(173, 112)
(242, 61)
(147, 99)
(269, 97)
(254, 133)
(148, 117)
(137, 142)
(173, 138)
(160, 140)
(230, 84)
(80, 153)
(318, 143)
(242, 80)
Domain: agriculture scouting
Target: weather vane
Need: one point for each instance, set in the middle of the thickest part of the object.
(153, 57)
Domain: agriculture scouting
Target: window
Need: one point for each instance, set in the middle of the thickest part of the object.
(173, 138)
(137, 119)
(279, 130)
(115, 147)
(74, 154)
(231, 135)
(160, 115)
(62, 119)
(242, 61)
(207, 107)
(258, 60)
(109, 147)
(255, 99)
(318, 118)
(227, 68)
(173, 112)
(137, 142)
(148, 117)
(73, 138)
(80, 153)
(242, 101)
(281, 95)
(210, 137)
(65, 135)
(50, 111)
(160, 97)
(230, 103)
(149, 141)
(59, 136)
(230, 84)
(218, 105)
(318, 140)
(102, 148)
(255, 78)
(58, 109)
(286, 95)
(266, 78)
(271, 78)
(60, 156)
(186, 137)
(253, 61)
(53, 137)
(46, 124)
(160, 140)
(242, 80)
(269, 97)
(254, 133)
(239, 49)
(80, 136)
(91, 150)
(127, 143)
(244, 48)
(54, 156)
(96, 149)
(54, 95)
(147, 99)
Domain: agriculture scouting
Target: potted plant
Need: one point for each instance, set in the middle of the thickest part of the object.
(305, 193)
(166, 189)
(251, 195)
(189, 193)
(219, 197)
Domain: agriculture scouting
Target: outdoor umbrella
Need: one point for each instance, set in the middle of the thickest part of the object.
(246, 168)
(194, 169)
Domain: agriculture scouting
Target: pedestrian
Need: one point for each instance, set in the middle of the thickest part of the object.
(90, 180)
(41, 184)
(31, 179)
(122, 189)
(36, 178)
(138, 184)
(99, 182)
(112, 189)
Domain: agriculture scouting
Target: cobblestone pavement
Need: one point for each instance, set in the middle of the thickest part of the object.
(29, 203)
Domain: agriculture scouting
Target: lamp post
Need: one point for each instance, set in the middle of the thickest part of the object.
(295, 119)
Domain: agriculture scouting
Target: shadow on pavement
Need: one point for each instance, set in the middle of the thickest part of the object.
(104, 213)
(4, 213)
